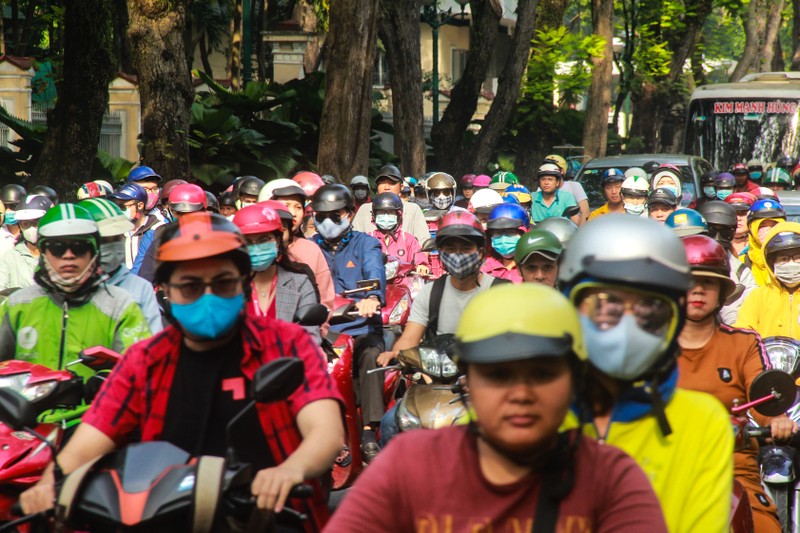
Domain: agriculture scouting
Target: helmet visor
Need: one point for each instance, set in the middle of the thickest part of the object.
(606, 306)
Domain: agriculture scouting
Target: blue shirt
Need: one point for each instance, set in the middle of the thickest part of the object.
(563, 200)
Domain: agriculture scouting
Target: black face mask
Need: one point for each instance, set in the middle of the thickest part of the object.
(721, 234)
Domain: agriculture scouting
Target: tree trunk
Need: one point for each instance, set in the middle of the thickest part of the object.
(795, 35)
(235, 47)
(399, 31)
(770, 45)
(121, 42)
(73, 131)
(508, 84)
(261, 45)
(447, 137)
(347, 110)
(165, 88)
(595, 128)
(758, 31)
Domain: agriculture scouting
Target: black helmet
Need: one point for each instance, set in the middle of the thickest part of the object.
(249, 185)
(651, 166)
(662, 196)
(332, 197)
(786, 240)
(786, 162)
(213, 203)
(12, 194)
(708, 178)
(718, 212)
(387, 201)
(44, 190)
(227, 198)
(389, 171)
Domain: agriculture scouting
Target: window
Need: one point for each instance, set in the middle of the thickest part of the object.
(459, 63)
(380, 74)
(111, 133)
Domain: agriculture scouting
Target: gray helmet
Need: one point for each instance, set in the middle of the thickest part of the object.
(387, 201)
(332, 197)
(249, 185)
(389, 171)
(212, 201)
(562, 228)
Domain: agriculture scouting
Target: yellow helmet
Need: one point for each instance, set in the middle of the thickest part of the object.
(518, 322)
(557, 160)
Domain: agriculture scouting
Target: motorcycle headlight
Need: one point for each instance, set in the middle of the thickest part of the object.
(39, 390)
(15, 382)
(399, 309)
(437, 364)
(391, 269)
(783, 354)
(449, 368)
(406, 420)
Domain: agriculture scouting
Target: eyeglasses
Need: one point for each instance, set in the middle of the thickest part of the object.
(150, 188)
(224, 287)
(785, 259)
(336, 218)
(59, 248)
(606, 308)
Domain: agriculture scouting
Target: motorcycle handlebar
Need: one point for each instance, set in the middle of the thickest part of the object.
(759, 432)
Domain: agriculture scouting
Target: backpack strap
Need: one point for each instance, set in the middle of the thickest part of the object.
(433, 306)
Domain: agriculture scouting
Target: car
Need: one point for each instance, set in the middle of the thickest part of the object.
(790, 200)
(692, 167)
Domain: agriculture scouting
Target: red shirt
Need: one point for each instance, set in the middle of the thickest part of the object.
(136, 394)
(495, 268)
(749, 186)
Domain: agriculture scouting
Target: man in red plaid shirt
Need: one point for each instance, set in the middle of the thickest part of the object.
(184, 384)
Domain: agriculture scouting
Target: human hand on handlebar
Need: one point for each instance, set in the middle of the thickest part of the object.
(368, 307)
(386, 357)
(271, 486)
(41, 496)
(782, 428)
(423, 270)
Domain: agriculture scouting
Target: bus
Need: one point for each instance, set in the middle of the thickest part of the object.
(755, 118)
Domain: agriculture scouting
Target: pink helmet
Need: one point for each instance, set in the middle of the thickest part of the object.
(309, 182)
(278, 207)
(481, 180)
(187, 198)
(257, 218)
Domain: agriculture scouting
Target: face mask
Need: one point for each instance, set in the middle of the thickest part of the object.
(360, 194)
(330, 230)
(442, 202)
(132, 214)
(210, 316)
(710, 192)
(505, 245)
(11, 218)
(112, 255)
(671, 188)
(70, 285)
(755, 176)
(31, 234)
(724, 193)
(633, 209)
(152, 200)
(386, 221)
(625, 351)
(242, 203)
(788, 274)
(262, 255)
(461, 265)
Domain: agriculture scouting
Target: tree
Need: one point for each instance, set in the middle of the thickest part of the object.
(761, 24)
(400, 34)
(156, 34)
(347, 111)
(598, 102)
(74, 124)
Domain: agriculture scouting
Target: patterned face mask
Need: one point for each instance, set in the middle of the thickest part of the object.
(461, 265)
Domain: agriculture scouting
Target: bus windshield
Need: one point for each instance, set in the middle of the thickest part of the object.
(734, 130)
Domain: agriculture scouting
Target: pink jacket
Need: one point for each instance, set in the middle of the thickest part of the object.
(495, 268)
(402, 246)
(304, 251)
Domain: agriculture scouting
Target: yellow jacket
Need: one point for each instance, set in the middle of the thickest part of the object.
(754, 258)
(771, 309)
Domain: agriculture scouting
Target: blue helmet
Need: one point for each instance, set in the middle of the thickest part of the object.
(130, 191)
(508, 216)
(687, 222)
(766, 208)
(612, 175)
(142, 173)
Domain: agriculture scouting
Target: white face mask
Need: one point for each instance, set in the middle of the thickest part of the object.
(112, 255)
(788, 274)
(633, 209)
(31, 234)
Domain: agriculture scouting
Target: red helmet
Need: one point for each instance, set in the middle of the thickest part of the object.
(309, 182)
(741, 201)
(707, 257)
(257, 218)
(739, 168)
(187, 198)
(168, 186)
(280, 208)
(462, 224)
(199, 236)
(467, 180)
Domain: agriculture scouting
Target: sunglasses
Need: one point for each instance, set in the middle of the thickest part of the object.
(606, 307)
(224, 287)
(59, 248)
(335, 217)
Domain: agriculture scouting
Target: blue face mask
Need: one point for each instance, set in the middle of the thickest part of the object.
(671, 188)
(386, 221)
(710, 192)
(210, 316)
(330, 230)
(11, 218)
(755, 175)
(505, 245)
(262, 255)
(724, 193)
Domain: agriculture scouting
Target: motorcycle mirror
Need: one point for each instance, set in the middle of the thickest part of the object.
(99, 358)
(311, 315)
(571, 211)
(429, 246)
(278, 379)
(735, 294)
(15, 410)
(776, 384)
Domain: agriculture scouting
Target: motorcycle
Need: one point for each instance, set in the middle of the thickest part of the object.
(156, 486)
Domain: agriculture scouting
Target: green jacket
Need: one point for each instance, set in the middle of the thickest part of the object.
(44, 328)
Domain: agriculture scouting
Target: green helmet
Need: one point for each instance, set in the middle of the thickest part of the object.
(68, 220)
(505, 177)
(777, 175)
(110, 219)
(537, 241)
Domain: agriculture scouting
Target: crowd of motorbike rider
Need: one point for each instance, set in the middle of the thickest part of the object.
(638, 325)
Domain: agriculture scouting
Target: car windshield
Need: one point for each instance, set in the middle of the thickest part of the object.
(590, 179)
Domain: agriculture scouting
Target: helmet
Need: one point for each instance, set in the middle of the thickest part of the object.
(110, 219)
(670, 171)
(439, 181)
(130, 191)
(279, 207)
(785, 162)
(198, 236)
(484, 200)
(90, 190)
(12, 194)
(332, 197)
(309, 182)
(68, 220)
(387, 201)
(411, 181)
(34, 207)
(635, 186)
(626, 250)
(467, 180)
(142, 173)
(505, 177)
(187, 198)
(755, 165)
(785, 240)
(44, 190)
(612, 175)
(557, 160)
(167, 189)
(662, 196)
(763, 193)
(327, 179)
(549, 169)
(741, 201)
(725, 180)
(257, 218)
(227, 199)
(651, 166)
(481, 180)
(707, 257)
(359, 180)
(718, 212)
(777, 175)
(461, 224)
(708, 178)
(509, 216)
(636, 171)
(389, 171)
(562, 228)
(249, 185)
(687, 222)
(520, 192)
(211, 202)
(518, 322)
(537, 241)
(739, 168)
(280, 187)
(765, 209)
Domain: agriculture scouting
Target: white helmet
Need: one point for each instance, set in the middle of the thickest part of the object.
(635, 186)
(290, 186)
(484, 200)
(636, 171)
